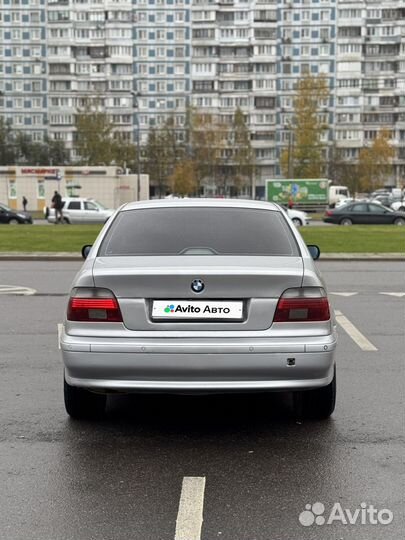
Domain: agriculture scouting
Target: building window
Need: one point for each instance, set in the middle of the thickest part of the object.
(18, 86)
(324, 67)
(41, 189)
(179, 16)
(12, 190)
(201, 86)
(265, 102)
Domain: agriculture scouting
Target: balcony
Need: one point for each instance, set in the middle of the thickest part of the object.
(232, 53)
(59, 69)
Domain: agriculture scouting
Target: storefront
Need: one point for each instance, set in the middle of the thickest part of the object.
(108, 185)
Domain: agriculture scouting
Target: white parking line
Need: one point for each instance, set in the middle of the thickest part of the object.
(354, 333)
(344, 293)
(16, 289)
(60, 326)
(398, 294)
(190, 514)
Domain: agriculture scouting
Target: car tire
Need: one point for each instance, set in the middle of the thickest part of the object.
(346, 221)
(13, 221)
(399, 221)
(66, 220)
(82, 404)
(317, 404)
(297, 222)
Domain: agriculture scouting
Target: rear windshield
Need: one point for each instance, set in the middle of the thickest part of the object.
(199, 231)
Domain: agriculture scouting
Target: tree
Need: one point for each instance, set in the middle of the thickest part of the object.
(155, 161)
(173, 150)
(375, 163)
(304, 156)
(28, 151)
(58, 154)
(7, 148)
(208, 144)
(343, 171)
(124, 153)
(18, 147)
(162, 153)
(94, 135)
(243, 153)
(183, 181)
(48, 152)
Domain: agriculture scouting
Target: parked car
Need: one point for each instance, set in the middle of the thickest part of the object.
(386, 200)
(381, 191)
(342, 202)
(298, 217)
(364, 213)
(199, 296)
(398, 206)
(80, 210)
(13, 217)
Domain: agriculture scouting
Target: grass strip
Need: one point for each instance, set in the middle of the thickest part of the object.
(50, 238)
(71, 238)
(356, 238)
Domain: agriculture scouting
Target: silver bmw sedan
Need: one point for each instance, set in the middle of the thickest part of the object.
(199, 296)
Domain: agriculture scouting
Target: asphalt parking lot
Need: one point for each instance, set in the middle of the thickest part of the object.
(157, 465)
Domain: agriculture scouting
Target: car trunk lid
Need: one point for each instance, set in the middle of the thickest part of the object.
(255, 282)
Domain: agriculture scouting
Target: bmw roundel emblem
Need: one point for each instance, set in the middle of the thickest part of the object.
(197, 285)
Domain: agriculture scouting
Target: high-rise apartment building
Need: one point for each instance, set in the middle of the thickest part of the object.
(370, 76)
(90, 60)
(307, 31)
(250, 54)
(131, 58)
(23, 75)
(162, 53)
(234, 65)
(143, 60)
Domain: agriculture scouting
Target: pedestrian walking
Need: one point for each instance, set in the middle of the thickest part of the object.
(57, 204)
(24, 203)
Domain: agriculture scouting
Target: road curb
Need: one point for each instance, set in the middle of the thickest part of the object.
(40, 256)
(66, 256)
(362, 257)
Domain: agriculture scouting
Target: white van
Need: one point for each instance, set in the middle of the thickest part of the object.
(338, 193)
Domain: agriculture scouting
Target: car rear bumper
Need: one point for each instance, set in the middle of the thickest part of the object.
(178, 365)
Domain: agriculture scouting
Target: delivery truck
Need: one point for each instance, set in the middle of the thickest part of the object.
(306, 193)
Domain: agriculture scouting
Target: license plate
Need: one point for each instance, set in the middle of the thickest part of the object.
(197, 309)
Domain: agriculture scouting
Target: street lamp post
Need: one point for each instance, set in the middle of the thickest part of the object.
(135, 105)
(290, 163)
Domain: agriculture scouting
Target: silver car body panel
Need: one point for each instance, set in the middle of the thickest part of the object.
(141, 354)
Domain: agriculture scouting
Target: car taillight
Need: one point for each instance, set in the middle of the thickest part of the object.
(88, 304)
(306, 304)
(328, 213)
